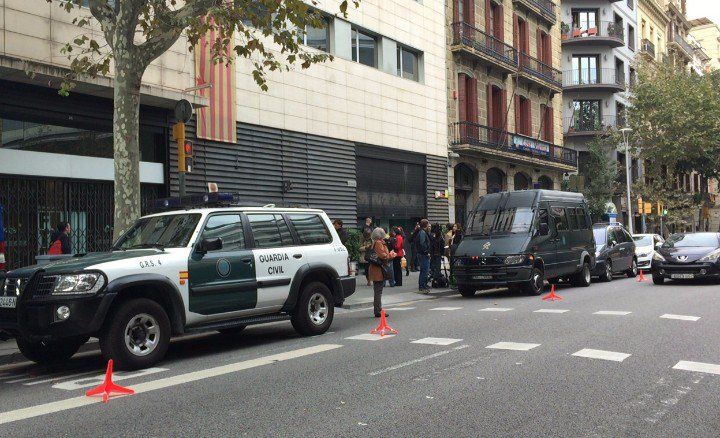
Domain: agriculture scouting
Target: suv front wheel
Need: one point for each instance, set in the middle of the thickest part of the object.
(535, 285)
(137, 335)
(582, 278)
(314, 312)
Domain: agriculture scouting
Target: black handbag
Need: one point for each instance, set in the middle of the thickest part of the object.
(387, 275)
(371, 257)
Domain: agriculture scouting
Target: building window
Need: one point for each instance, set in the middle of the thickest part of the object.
(548, 129)
(586, 115)
(584, 70)
(317, 37)
(364, 48)
(631, 38)
(631, 4)
(525, 127)
(407, 63)
(585, 19)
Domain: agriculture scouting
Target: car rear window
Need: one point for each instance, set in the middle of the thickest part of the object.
(310, 228)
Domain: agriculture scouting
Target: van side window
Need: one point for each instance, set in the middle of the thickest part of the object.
(228, 228)
(270, 230)
(558, 213)
(310, 229)
(581, 218)
(572, 219)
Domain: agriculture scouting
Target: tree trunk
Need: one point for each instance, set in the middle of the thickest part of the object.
(126, 133)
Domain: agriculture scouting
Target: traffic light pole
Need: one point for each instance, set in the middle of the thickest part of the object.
(181, 183)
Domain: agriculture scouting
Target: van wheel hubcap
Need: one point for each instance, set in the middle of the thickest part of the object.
(586, 273)
(142, 334)
(537, 281)
(318, 308)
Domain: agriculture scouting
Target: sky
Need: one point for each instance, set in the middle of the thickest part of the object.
(704, 8)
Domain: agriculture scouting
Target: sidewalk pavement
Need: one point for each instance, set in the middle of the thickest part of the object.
(363, 296)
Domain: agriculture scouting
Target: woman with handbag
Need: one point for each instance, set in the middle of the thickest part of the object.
(377, 256)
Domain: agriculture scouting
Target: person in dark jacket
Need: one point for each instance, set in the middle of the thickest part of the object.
(423, 252)
(413, 261)
(61, 238)
(342, 232)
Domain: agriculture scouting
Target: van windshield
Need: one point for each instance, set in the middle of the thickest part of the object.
(511, 220)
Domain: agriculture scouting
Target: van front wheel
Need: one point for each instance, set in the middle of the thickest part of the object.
(535, 285)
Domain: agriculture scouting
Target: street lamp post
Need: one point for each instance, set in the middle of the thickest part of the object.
(625, 132)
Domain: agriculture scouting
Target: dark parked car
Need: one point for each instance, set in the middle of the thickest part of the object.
(522, 238)
(615, 251)
(686, 256)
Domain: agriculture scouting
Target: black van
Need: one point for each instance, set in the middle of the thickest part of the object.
(522, 238)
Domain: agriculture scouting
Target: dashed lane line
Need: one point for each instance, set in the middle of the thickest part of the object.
(88, 382)
(446, 308)
(400, 308)
(369, 337)
(76, 402)
(59, 378)
(612, 312)
(517, 346)
(709, 368)
(436, 341)
(495, 309)
(680, 317)
(551, 311)
(418, 360)
(601, 354)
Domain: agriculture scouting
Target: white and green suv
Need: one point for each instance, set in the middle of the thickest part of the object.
(178, 272)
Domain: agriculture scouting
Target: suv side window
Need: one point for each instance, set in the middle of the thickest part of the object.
(270, 230)
(581, 218)
(228, 227)
(561, 223)
(572, 219)
(310, 228)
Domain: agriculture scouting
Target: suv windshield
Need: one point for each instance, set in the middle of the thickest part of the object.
(600, 235)
(691, 240)
(643, 240)
(511, 220)
(168, 231)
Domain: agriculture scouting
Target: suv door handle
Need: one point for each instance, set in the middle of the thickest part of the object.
(297, 256)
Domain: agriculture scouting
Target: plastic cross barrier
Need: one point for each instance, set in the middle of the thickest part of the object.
(108, 387)
(383, 328)
(641, 277)
(551, 296)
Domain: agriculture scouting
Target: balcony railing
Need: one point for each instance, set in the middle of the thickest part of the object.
(474, 134)
(604, 29)
(684, 45)
(588, 125)
(540, 70)
(545, 7)
(648, 47)
(594, 78)
(470, 36)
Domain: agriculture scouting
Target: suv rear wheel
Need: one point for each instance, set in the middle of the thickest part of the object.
(314, 312)
(137, 335)
(535, 285)
(582, 278)
(52, 351)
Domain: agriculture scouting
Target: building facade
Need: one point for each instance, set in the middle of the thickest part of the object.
(504, 99)
(56, 153)
(680, 51)
(707, 34)
(654, 24)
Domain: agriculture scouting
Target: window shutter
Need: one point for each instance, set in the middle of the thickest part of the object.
(456, 10)
(551, 124)
(504, 114)
(488, 17)
(518, 119)
(500, 23)
(548, 50)
(469, 12)
(516, 32)
(543, 120)
(490, 121)
(528, 119)
(473, 105)
(462, 98)
(539, 44)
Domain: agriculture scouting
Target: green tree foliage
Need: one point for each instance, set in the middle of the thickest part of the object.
(136, 32)
(600, 174)
(675, 117)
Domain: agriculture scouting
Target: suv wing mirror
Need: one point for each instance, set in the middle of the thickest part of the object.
(209, 245)
(544, 229)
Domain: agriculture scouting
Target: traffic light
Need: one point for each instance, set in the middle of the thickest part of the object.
(188, 155)
(647, 207)
(640, 208)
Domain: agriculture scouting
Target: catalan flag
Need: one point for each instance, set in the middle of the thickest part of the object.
(217, 121)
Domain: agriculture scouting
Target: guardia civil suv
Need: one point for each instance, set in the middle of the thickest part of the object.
(181, 271)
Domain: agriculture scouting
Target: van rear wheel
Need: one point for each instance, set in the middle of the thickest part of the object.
(535, 285)
(582, 278)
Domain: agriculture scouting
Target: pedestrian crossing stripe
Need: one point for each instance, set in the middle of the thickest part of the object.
(612, 312)
(517, 346)
(369, 337)
(601, 354)
(495, 309)
(436, 341)
(551, 311)
(446, 308)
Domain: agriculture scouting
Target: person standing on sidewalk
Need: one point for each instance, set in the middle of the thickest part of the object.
(61, 240)
(414, 263)
(423, 247)
(377, 271)
(390, 243)
(342, 232)
(365, 244)
(406, 252)
(399, 254)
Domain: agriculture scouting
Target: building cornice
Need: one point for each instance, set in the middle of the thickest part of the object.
(654, 8)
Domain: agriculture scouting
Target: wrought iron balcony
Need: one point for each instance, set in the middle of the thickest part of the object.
(544, 9)
(483, 46)
(475, 137)
(602, 79)
(536, 71)
(647, 48)
(589, 126)
(605, 33)
(684, 46)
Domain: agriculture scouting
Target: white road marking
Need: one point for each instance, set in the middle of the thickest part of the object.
(88, 382)
(414, 361)
(436, 341)
(700, 367)
(57, 378)
(495, 309)
(517, 346)
(447, 308)
(400, 308)
(601, 354)
(16, 365)
(24, 379)
(551, 311)
(63, 405)
(680, 317)
(612, 312)
(369, 337)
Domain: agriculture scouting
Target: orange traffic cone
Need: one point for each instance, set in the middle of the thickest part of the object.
(551, 296)
(641, 277)
(383, 328)
(108, 386)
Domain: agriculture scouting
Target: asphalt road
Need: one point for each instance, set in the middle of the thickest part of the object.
(552, 381)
